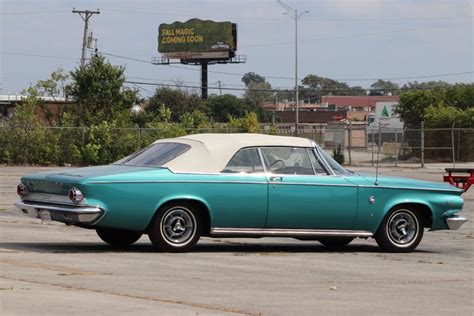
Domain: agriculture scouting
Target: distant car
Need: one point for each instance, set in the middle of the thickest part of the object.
(239, 185)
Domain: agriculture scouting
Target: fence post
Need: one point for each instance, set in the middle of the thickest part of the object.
(396, 151)
(452, 144)
(422, 144)
(372, 142)
(350, 143)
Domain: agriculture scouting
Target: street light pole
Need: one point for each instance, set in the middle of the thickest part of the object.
(294, 14)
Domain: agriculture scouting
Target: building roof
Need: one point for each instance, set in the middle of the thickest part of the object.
(358, 101)
(210, 153)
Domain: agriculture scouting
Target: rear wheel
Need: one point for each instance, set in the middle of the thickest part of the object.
(176, 228)
(118, 237)
(400, 231)
(335, 242)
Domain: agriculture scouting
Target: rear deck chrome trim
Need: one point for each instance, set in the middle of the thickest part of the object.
(284, 232)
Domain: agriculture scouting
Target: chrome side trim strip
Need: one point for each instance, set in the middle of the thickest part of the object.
(404, 188)
(313, 184)
(180, 181)
(283, 232)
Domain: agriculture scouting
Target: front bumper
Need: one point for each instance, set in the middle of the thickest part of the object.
(69, 214)
(455, 222)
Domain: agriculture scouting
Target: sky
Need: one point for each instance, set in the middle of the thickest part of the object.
(356, 41)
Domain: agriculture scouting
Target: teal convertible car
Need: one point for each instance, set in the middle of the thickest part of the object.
(239, 185)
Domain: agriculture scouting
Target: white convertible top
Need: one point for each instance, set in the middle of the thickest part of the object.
(210, 153)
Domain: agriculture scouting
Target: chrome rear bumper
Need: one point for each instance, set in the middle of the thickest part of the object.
(455, 222)
(62, 213)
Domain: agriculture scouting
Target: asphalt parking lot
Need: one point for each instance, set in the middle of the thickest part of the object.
(55, 269)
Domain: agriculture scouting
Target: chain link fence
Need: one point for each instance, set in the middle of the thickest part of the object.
(361, 144)
(357, 144)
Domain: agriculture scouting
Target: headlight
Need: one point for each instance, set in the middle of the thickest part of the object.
(75, 195)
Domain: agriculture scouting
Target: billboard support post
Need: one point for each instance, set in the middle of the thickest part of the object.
(204, 80)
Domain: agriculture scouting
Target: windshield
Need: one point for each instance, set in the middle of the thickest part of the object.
(155, 155)
(335, 166)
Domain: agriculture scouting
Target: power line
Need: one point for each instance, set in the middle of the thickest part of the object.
(241, 74)
(289, 90)
(350, 36)
(36, 55)
(384, 19)
(32, 12)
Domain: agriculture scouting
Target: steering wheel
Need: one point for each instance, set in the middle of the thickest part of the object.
(275, 162)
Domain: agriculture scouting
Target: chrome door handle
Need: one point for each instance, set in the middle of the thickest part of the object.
(276, 178)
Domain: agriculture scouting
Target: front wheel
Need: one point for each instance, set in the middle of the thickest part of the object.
(118, 237)
(400, 231)
(176, 228)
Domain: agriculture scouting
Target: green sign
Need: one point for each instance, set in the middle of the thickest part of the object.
(196, 36)
(385, 112)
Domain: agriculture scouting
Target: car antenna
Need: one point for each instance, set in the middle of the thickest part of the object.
(378, 154)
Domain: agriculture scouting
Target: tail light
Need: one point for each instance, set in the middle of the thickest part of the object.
(21, 190)
(75, 195)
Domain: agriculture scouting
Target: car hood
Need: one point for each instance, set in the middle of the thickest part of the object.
(401, 183)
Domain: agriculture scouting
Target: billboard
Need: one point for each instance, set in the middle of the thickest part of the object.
(197, 38)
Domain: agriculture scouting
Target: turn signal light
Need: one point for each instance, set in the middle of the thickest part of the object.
(75, 195)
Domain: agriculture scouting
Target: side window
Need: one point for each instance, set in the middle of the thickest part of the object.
(317, 165)
(245, 160)
(287, 160)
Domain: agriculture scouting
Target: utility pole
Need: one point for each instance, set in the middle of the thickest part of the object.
(220, 88)
(85, 15)
(294, 14)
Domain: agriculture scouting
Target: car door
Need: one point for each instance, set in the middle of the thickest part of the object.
(302, 194)
(240, 199)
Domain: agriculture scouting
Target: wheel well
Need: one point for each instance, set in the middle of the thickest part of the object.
(420, 209)
(200, 207)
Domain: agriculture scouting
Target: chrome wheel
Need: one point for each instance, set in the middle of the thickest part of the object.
(401, 230)
(402, 227)
(178, 226)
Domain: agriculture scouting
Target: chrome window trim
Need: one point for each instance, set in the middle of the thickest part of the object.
(312, 165)
(262, 161)
(316, 150)
(318, 158)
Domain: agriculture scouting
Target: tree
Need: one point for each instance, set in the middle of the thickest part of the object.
(248, 123)
(438, 107)
(258, 89)
(178, 101)
(415, 85)
(314, 87)
(55, 85)
(99, 94)
(384, 87)
(222, 107)
(252, 77)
